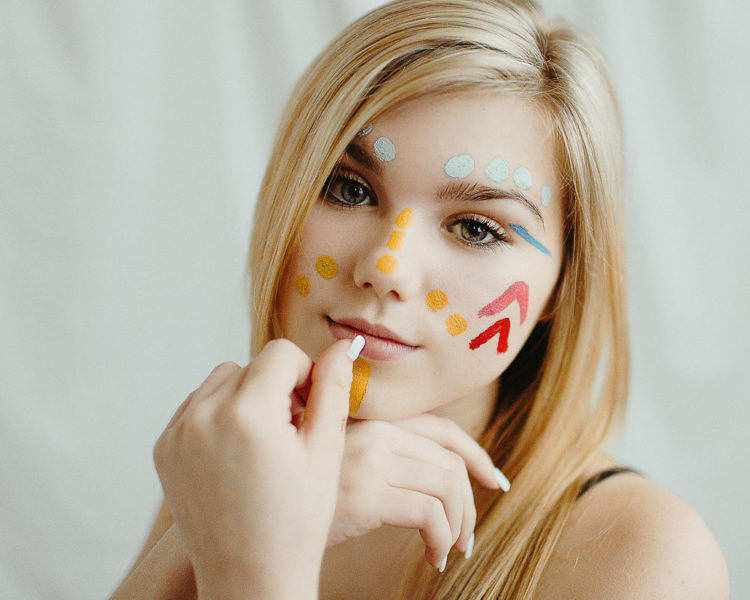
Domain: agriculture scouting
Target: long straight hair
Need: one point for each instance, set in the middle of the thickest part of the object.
(566, 390)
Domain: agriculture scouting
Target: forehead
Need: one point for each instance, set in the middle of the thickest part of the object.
(428, 131)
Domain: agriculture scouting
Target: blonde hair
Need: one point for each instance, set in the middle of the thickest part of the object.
(566, 390)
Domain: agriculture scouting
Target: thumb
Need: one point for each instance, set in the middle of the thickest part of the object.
(328, 400)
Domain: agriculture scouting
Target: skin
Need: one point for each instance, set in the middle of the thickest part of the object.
(397, 482)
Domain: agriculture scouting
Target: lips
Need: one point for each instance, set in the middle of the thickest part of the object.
(380, 342)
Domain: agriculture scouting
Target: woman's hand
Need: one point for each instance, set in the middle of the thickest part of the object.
(412, 473)
(252, 496)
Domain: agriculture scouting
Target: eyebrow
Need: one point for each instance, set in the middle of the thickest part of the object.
(462, 191)
(361, 154)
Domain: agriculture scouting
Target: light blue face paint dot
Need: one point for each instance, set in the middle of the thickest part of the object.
(546, 195)
(384, 149)
(497, 170)
(459, 166)
(365, 130)
(522, 178)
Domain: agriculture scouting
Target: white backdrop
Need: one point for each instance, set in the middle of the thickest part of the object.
(133, 136)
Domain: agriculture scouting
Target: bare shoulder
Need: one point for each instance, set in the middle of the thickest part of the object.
(628, 537)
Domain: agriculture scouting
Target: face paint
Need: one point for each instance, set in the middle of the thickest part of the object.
(455, 324)
(522, 178)
(436, 300)
(396, 240)
(326, 267)
(387, 263)
(302, 285)
(404, 220)
(516, 292)
(384, 149)
(497, 170)
(546, 195)
(459, 166)
(523, 232)
(365, 130)
(501, 328)
(360, 378)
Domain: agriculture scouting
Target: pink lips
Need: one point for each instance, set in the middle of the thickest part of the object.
(380, 342)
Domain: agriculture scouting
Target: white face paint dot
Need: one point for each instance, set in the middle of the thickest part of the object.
(497, 170)
(365, 130)
(384, 149)
(546, 195)
(459, 166)
(522, 178)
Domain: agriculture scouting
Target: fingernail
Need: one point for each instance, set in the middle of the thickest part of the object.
(441, 568)
(355, 348)
(469, 547)
(502, 480)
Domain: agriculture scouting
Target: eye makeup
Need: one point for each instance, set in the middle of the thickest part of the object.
(524, 233)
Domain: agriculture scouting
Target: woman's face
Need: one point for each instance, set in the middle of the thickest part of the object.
(439, 239)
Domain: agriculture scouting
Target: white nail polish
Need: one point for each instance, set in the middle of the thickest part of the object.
(441, 568)
(355, 348)
(502, 480)
(469, 547)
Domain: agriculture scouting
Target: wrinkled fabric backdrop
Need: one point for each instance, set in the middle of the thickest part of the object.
(133, 137)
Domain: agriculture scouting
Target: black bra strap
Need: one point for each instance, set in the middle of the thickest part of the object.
(599, 477)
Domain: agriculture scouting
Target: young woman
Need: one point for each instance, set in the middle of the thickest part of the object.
(447, 183)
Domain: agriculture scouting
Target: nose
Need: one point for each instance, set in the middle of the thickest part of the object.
(389, 263)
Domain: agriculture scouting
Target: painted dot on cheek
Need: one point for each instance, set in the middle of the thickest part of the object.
(302, 285)
(436, 300)
(384, 149)
(326, 267)
(404, 219)
(497, 170)
(459, 166)
(360, 378)
(546, 195)
(387, 263)
(522, 178)
(455, 324)
(396, 240)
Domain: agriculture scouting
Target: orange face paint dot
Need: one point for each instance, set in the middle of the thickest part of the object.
(404, 220)
(436, 300)
(302, 285)
(326, 267)
(387, 263)
(360, 378)
(455, 324)
(396, 240)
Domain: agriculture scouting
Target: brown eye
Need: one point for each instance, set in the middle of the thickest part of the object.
(353, 192)
(474, 232)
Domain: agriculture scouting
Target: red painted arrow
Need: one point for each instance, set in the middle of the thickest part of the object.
(502, 327)
(518, 291)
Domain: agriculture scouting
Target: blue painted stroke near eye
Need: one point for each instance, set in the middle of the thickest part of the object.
(523, 232)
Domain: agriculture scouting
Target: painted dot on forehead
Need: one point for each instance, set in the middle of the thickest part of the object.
(436, 300)
(384, 149)
(387, 263)
(404, 219)
(326, 267)
(522, 178)
(459, 166)
(360, 378)
(497, 170)
(455, 324)
(365, 130)
(546, 195)
(302, 285)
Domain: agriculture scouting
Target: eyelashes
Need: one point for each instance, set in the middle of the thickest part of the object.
(346, 189)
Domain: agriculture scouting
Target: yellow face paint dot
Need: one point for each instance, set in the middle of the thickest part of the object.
(405, 219)
(396, 240)
(436, 300)
(387, 263)
(455, 324)
(326, 267)
(302, 285)
(360, 378)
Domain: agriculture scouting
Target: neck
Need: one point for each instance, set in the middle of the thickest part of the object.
(472, 412)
